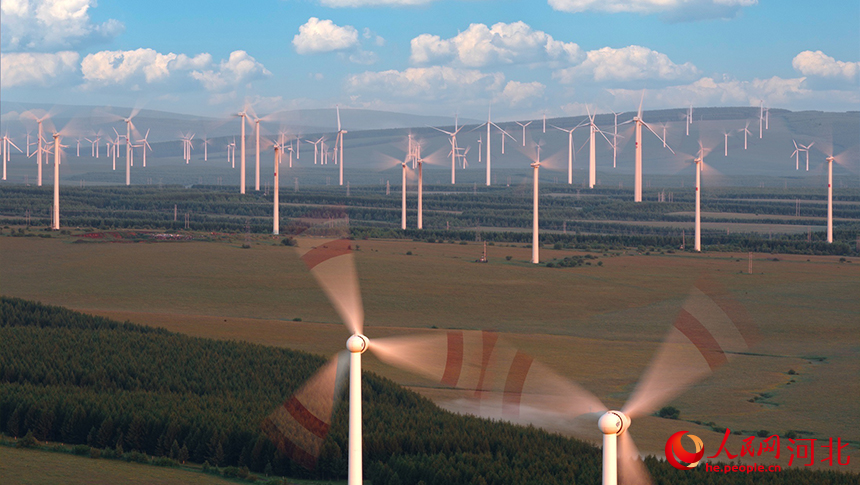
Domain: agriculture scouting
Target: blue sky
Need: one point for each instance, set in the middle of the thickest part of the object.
(435, 57)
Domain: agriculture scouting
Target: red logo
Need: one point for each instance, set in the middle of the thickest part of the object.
(674, 448)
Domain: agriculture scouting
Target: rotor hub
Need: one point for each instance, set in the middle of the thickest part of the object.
(613, 422)
(357, 344)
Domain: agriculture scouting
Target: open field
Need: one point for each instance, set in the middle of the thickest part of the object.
(35, 467)
(598, 325)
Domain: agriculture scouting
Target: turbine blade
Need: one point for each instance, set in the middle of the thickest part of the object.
(709, 330)
(299, 426)
(641, 100)
(332, 264)
(497, 381)
(631, 470)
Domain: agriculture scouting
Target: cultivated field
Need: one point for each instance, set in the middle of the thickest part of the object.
(598, 325)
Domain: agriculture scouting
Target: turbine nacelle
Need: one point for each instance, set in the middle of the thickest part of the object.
(357, 344)
(613, 422)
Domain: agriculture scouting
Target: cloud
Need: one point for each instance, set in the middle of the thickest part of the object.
(239, 69)
(51, 24)
(22, 69)
(775, 91)
(139, 65)
(517, 92)
(317, 36)
(673, 10)
(480, 46)
(628, 63)
(434, 84)
(820, 64)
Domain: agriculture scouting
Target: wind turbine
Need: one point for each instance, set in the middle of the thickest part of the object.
(206, 143)
(544, 121)
(535, 192)
(830, 158)
(244, 115)
(615, 140)
(524, 130)
(299, 426)
(276, 215)
(571, 154)
(454, 148)
(726, 143)
(231, 149)
(796, 155)
(689, 118)
(143, 143)
(592, 161)
(489, 125)
(316, 148)
(40, 140)
(338, 144)
(806, 149)
(710, 330)
(6, 154)
(637, 184)
(746, 131)
(760, 119)
(55, 220)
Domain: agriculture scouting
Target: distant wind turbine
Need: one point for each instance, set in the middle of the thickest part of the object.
(524, 130)
(637, 184)
(455, 150)
(571, 154)
(338, 144)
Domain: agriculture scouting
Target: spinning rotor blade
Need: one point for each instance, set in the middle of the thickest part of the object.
(299, 426)
(497, 381)
(631, 470)
(332, 264)
(710, 328)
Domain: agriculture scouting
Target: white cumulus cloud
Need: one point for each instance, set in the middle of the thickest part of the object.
(239, 69)
(820, 64)
(677, 10)
(435, 83)
(480, 45)
(628, 63)
(317, 36)
(120, 67)
(706, 91)
(24, 68)
(51, 24)
(516, 92)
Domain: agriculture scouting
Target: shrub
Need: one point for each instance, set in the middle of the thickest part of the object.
(669, 412)
(28, 441)
(508, 258)
(289, 241)
(763, 433)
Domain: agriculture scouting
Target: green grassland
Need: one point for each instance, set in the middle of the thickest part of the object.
(598, 325)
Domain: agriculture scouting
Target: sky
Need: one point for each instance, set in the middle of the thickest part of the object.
(435, 57)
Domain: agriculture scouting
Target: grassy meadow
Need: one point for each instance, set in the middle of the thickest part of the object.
(597, 325)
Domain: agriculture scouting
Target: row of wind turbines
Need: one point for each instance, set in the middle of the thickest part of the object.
(285, 145)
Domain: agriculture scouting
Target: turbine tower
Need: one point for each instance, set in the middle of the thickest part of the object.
(571, 154)
(455, 150)
(830, 161)
(244, 116)
(535, 192)
(338, 144)
(637, 184)
(592, 161)
(276, 218)
(55, 220)
(257, 166)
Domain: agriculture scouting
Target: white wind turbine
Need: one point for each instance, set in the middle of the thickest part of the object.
(637, 184)
(747, 132)
(455, 150)
(316, 148)
(592, 160)
(144, 144)
(615, 140)
(6, 153)
(276, 214)
(524, 130)
(826, 147)
(489, 124)
(761, 118)
(40, 142)
(711, 328)
(245, 118)
(338, 144)
(206, 143)
(58, 148)
(535, 193)
(571, 153)
(726, 135)
(299, 427)
(806, 149)
(689, 118)
(796, 155)
(231, 150)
